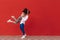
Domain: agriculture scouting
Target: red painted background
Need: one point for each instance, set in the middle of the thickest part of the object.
(44, 18)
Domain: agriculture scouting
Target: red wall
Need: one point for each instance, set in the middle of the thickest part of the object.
(44, 18)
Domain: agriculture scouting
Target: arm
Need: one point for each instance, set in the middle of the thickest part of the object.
(11, 21)
(13, 18)
(16, 20)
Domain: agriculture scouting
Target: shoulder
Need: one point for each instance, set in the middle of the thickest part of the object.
(27, 16)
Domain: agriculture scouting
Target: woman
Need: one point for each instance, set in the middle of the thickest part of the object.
(22, 19)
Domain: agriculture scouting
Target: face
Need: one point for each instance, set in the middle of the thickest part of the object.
(22, 14)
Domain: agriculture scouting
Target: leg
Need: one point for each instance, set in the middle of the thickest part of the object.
(22, 28)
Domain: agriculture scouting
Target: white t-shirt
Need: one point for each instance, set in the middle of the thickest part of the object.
(24, 19)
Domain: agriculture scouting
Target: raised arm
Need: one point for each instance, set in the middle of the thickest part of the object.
(13, 18)
(17, 20)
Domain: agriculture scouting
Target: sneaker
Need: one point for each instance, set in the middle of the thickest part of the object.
(23, 36)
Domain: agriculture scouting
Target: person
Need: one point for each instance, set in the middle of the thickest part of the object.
(22, 19)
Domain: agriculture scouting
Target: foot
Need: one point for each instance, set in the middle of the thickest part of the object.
(23, 36)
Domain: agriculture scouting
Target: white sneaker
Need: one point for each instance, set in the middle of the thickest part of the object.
(9, 20)
(23, 36)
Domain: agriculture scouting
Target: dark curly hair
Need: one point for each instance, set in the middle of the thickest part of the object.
(26, 11)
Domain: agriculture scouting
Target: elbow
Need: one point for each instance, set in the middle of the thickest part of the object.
(16, 22)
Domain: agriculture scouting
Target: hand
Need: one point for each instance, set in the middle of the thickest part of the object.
(12, 16)
(9, 20)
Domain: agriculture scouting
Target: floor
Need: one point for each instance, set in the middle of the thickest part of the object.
(30, 38)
